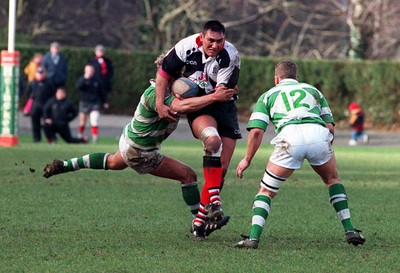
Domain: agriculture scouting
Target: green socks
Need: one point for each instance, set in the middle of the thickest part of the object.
(338, 199)
(90, 161)
(191, 195)
(261, 207)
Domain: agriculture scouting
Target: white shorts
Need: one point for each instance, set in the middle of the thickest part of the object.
(141, 161)
(297, 142)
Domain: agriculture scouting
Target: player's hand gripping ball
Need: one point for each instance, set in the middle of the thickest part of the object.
(184, 88)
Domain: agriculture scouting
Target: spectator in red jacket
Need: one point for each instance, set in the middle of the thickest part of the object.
(357, 124)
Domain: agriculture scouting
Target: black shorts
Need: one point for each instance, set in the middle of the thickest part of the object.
(225, 113)
(87, 107)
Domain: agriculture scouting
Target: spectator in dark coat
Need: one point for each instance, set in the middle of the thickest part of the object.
(91, 100)
(58, 112)
(103, 70)
(56, 65)
(40, 90)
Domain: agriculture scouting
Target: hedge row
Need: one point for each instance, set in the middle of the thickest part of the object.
(375, 85)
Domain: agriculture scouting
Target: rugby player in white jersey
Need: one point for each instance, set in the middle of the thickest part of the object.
(212, 62)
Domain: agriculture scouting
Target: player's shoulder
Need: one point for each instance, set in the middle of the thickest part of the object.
(229, 52)
(310, 88)
(304, 84)
(228, 46)
(190, 42)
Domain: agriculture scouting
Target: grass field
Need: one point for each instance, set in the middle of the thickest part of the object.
(105, 221)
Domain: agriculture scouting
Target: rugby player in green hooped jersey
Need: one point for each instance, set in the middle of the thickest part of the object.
(305, 130)
(140, 142)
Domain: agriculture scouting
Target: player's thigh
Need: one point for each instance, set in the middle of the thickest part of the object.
(142, 161)
(202, 122)
(328, 171)
(279, 171)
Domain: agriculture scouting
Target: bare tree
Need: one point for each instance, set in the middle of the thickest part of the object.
(333, 29)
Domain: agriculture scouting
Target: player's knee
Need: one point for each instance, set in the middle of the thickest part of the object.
(113, 163)
(188, 176)
(110, 162)
(271, 183)
(211, 141)
(213, 146)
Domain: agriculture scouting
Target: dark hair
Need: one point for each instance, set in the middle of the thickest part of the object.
(286, 69)
(215, 26)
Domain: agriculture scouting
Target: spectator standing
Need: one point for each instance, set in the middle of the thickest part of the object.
(56, 65)
(58, 112)
(357, 124)
(103, 70)
(91, 100)
(32, 66)
(40, 90)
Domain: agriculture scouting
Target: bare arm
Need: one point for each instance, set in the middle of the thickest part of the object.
(331, 129)
(254, 140)
(196, 103)
(163, 110)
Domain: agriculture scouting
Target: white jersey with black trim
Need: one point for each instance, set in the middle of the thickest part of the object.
(207, 72)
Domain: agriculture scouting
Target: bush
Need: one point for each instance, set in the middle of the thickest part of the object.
(373, 84)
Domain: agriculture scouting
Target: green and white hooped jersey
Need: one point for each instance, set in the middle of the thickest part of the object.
(146, 130)
(290, 102)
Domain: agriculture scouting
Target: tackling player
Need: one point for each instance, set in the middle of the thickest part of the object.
(140, 142)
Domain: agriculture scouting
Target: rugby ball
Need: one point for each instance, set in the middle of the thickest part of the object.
(184, 87)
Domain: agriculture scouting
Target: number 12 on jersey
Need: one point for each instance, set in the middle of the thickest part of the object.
(297, 96)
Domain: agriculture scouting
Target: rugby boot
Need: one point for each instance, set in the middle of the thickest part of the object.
(212, 226)
(247, 242)
(56, 167)
(214, 212)
(355, 237)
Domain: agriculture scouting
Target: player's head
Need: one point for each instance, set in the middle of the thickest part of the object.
(213, 38)
(61, 93)
(285, 70)
(215, 26)
(158, 62)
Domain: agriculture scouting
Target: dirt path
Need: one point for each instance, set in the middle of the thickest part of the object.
(111, 126)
